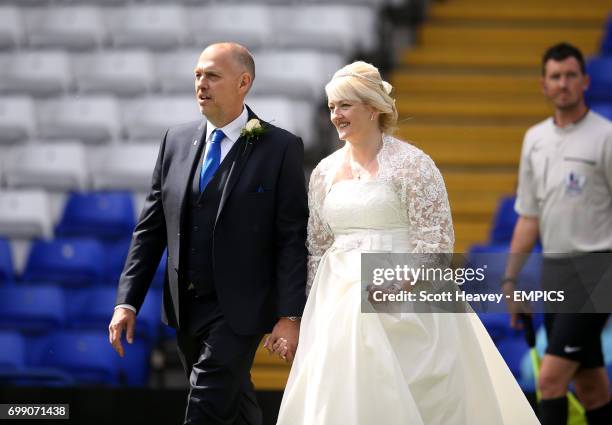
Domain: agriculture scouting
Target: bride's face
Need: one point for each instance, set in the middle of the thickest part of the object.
(354, 121)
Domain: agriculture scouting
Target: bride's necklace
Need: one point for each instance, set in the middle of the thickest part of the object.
(357, 169)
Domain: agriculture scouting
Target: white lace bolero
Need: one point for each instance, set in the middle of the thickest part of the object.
(418, 184)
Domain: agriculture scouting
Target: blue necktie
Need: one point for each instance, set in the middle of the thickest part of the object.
(212, 160)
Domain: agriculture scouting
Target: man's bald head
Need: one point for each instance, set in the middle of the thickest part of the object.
(239, 54)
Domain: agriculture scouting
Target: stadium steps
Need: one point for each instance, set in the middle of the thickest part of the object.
(469, 89)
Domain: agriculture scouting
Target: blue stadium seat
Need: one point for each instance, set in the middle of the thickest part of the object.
(70, 262)
(504, 221)
(606, 42)
(12, 351)
(600, 70)
(85, 355)
(102, 215)
(604, 109)
(513, 350)
(31, 308)
(116, 253)
(92, 308)
(15, 371)
(498, 325)
(134, 367)
(7, 273)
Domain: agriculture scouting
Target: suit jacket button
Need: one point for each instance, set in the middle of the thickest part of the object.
(196, 228)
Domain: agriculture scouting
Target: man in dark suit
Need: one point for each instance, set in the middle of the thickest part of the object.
(231, 208)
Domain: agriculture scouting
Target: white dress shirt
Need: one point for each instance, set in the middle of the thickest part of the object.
(232, 133)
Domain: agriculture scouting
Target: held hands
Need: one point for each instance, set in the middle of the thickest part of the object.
(123, 319)
(284, 339)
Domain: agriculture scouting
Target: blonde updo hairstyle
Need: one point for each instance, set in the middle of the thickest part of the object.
(361, 82)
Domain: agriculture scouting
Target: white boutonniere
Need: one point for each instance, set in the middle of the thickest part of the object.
(252, 130)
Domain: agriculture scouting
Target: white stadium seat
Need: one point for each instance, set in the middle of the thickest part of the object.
(127, 167)
(148, 118)
(73, 27)
(296, 116)
(174, 71)
(25, 214)
(151, 26)
(339, 28)
(123, 73)
(60, 167)
(248, 24)
(92, 119)
(295, 73)
(11, 27)
(17, 118)
(37, 73)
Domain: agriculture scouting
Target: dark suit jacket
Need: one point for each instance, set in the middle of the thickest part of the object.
(259, 253)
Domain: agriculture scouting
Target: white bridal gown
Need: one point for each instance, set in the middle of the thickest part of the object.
(356, 368)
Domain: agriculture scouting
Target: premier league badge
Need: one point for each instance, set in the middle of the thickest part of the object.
(574, 183)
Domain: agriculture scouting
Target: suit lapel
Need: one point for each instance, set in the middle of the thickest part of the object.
(244, 151)
(191, 159)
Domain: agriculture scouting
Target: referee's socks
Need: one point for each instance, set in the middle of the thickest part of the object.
(600, 416)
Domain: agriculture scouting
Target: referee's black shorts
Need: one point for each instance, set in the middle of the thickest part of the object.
(575, 333)
(576, 337)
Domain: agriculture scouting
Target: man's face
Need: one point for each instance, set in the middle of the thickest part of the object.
(220, 85)
(564, 83)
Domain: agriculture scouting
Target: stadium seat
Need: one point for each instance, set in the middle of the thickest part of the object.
(17, 119)
(25, 214)
(298, 74)
(92, 119)
(604, 109)
(497, 325)
(504, 221)
(148, 118)
(11, 27)
(7, 272)
(116, 254)
(32, 309)
(15, 371)
(600, 71)
(249, 24)
(126, 167)
(150, 26)
(513, 350)
(101, 215)
(36, 73)
(606, 42)
(58, 166)
(296, 116)
(12, 350)
(174, 70)
(69, 27)
(124, 73)
(92, 308)
(86, 355)
(344, 29)
(69, 262)
(493, 259)
(135, 366)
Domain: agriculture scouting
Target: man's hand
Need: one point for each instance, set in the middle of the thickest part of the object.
(123, 319)
(284, 338)
(515, 308)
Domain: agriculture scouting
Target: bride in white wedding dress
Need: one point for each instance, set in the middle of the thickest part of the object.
(379, 194)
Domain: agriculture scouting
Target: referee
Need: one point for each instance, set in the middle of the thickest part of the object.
(564, 197)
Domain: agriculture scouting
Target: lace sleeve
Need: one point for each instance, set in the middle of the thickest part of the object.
(424, 197)
(319, 237)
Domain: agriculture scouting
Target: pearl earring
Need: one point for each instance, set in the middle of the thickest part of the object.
(372, 117)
